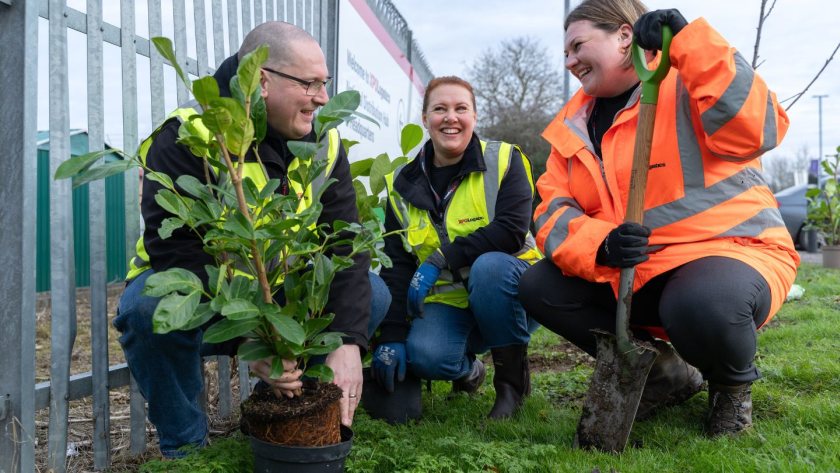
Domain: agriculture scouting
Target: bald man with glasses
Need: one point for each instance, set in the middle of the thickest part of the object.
(294, 85)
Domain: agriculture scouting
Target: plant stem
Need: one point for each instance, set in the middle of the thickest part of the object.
(236, 179)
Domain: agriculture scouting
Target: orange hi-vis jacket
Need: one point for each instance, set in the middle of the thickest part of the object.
(705, 192)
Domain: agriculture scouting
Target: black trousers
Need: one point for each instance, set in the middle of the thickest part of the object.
(709, 308)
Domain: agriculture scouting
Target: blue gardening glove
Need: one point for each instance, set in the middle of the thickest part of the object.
(422, 282)
(389, 360)
(625, 246)
(648, 28)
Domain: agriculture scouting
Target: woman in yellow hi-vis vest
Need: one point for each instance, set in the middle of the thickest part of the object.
(464, 206)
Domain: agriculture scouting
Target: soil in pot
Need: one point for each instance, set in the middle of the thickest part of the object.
(310, 420)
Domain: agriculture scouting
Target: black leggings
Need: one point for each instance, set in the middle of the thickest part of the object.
(709, 308)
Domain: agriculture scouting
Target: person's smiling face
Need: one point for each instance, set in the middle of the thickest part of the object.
(450, 118)
(290, 111)
(598, 58)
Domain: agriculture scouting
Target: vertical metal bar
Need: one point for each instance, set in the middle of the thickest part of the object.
(128, 59)
(244, 381)
(309, 9)
(269, 11)
(233, 29)
(98, 266)
(218, 33)
(283, 10)
(258, 12)
(246, 17)
(179, 20)
(316, 19)
(200, 38)
(329, 39)
(223, 370)
(158, 105)
(137, 419)
(18, 170)
(62, 277)
(299, 14)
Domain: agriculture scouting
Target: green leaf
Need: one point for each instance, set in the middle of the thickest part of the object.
(203, 314)
(171, 280)
(259, 115)
(239, 225)
(323, 268)
(164, 47)
(381, 167)
(102, 171)
(361, 167)
(240, 309)
(325, 343)
(249, 69)
(342, 104)
(410, 137)
(322, 372)
(347, 144)
(303, 149)
(175, 311)
(168, 226)
(172, 203)
(254, 350)
(287, 327)
(228, 329)
(205, 89)
(77, 164)
(191, 185)
(160, 178)
(217, 120)
(316, 325)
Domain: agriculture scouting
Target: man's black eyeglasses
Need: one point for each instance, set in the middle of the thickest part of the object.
(313, 87)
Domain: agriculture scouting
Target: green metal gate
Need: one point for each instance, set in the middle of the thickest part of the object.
(114, 218)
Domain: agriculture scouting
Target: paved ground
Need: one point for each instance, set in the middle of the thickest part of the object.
(815, 258)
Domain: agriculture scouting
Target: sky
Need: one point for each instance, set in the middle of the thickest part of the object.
(797, 38)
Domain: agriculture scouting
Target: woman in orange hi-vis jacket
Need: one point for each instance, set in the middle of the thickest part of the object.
(713, 259)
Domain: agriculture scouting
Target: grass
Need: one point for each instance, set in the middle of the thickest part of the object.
(796, 415)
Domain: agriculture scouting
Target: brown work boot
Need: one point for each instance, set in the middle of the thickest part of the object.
(730, 409)
(470, 382)
(671, 381)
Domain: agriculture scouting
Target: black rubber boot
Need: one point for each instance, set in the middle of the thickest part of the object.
(671, 381)
(512, 380)
(470, 382)
(730, 409)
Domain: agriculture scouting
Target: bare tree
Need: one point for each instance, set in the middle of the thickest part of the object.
(518, 89)
(781, 171)
(763, 14)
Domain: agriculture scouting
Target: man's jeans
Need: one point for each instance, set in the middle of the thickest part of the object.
(167, 367)
(443, 343)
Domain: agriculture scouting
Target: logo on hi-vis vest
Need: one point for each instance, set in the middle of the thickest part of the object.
(469, 219)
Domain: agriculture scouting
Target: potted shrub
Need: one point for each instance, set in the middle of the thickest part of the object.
(824, 210)
(273, 262)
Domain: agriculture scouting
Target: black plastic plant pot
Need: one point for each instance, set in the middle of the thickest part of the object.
(271, 458)
(398, 407)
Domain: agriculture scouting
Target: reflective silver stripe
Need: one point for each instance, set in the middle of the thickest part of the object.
(691, 158)
(755, 225)
(491, 177)
(769, 137)
(560, 230)
(733, 98)
(530, 244)
(554, 206)
(697, 200)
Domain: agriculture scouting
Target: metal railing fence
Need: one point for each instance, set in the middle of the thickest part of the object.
(216, 24)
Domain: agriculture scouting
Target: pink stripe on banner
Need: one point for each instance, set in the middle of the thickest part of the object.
(369, 17)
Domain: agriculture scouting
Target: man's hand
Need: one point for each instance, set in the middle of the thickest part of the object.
(346, 363)
(422, 282)
(648, 28)
(625, 246)
(288, 384)
(389, 362)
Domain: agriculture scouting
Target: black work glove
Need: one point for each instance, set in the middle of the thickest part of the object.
(648, 28)
(625, 246)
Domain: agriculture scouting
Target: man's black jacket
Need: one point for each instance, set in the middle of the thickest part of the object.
(350, 292)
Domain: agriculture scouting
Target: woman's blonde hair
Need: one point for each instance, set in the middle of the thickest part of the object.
(608, 15)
